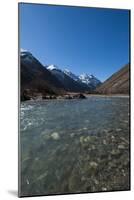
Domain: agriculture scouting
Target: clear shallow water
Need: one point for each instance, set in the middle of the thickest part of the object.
(72, 146)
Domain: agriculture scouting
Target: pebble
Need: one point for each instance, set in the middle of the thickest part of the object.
(121, 146)
(93, 164)
(96, 181)
(27, 181)
(85, 128)
(87, 139)
(104, 189)
(104, 142)
(115, 152)
(81, 139)
(55, 136)
(84, 139)
(112, 137)
(72, 134)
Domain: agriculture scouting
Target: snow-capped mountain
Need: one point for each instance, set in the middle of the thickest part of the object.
(35, 78)
(51, 77)
(70, 81)
(89, 80)
(26, 55)
(57, 72)
(84, 80)
(71, 75)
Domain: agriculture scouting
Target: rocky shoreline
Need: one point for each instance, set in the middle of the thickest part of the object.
(39, 96)
(28, 96)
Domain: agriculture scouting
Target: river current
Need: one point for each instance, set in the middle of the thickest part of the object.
(74, 146)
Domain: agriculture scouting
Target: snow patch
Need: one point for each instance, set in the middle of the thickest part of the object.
(26, 55)
(52, 67)
(71, 75)
(89, 79)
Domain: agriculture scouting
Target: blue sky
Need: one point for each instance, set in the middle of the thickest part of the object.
(89, 40)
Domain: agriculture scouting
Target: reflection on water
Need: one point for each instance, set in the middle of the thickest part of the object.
(72, 146)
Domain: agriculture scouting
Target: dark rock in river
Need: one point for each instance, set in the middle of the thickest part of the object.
(68, 97)
(26, 95)
(79, 96)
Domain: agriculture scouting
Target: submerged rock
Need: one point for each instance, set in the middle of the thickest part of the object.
(104, 189)
(121, 146)
(27, 181)
(85, 128)
(72, 134)
(55, 136)
(85, 139)
(104, 142)
(93, 164)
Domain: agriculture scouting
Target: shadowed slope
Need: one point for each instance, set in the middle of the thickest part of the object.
(36, 78)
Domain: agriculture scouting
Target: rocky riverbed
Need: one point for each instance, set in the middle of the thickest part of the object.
(75, 146)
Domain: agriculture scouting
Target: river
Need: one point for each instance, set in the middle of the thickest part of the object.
(74, 146)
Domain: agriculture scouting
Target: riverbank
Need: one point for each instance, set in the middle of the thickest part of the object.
(68, 95)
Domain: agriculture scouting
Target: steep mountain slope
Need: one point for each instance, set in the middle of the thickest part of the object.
(118, 83)
(91, 81)
(69, 83)
(71, 75)
(35, 77)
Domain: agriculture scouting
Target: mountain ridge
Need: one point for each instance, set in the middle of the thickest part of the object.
(117, 83)
(89, 82)
(37, 79)
(70, 84)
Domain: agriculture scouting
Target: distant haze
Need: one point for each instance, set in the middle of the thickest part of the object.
(90, 40)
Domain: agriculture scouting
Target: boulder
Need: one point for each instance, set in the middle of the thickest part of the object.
(79, 96)
(68, 97)
(26, 95)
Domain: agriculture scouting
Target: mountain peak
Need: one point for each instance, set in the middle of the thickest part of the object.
(52, 67)
(84, 75)
(24, 52)
(89, 79)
